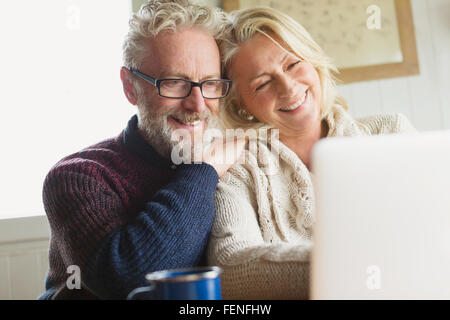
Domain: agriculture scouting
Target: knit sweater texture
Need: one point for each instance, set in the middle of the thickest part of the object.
(262, 229)
(118, 211)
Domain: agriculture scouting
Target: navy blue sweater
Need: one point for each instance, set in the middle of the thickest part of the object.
(118, 210)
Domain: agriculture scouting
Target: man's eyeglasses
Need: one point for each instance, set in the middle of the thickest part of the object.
(181, 88)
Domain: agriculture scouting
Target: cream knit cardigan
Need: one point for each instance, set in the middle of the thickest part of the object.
(261, 235)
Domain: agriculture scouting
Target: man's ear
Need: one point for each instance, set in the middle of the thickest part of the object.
(128, 87)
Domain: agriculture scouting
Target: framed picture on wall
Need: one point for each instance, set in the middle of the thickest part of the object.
(366, 39)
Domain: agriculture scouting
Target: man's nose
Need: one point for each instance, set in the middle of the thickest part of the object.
(195, 101)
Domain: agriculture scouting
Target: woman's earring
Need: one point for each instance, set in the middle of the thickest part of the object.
(245, 115)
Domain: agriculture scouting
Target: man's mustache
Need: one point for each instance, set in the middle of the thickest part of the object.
(192, 116)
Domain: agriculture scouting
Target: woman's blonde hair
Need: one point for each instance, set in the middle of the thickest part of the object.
(158, 15)
(243, 25)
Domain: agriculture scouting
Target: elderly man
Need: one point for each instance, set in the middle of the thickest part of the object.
(121, 208)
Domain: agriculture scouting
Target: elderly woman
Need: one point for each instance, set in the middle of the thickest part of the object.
(281, 80)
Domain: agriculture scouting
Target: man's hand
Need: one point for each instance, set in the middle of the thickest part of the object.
(223, 154)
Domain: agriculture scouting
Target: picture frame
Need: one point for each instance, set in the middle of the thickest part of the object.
(400, 28)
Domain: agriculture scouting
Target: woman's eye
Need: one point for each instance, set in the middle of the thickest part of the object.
(292, 65)
(262, 86)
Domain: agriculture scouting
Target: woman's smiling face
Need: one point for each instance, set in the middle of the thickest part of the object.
(277, 87)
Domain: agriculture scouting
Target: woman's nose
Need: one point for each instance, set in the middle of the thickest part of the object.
(286, 87)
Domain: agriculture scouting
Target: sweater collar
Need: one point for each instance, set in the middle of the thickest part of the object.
(135, 143)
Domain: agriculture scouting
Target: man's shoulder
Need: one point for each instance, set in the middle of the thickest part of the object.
(95, 160)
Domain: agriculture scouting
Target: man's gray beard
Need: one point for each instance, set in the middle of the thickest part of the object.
(158, 132)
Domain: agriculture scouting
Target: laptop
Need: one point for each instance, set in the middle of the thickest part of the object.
(382, 226)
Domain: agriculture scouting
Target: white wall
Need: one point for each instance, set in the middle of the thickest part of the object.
(425, 98)
(23, 257)
(60, 89)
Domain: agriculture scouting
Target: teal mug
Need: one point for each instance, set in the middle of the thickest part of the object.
(198, 283)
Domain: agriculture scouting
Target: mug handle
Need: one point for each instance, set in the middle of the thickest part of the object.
(140, 290)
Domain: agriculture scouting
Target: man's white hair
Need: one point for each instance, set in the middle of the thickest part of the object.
(158, 15)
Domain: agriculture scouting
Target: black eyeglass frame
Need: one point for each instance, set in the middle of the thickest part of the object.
(157, 83)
